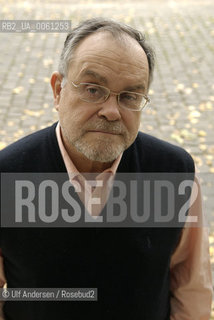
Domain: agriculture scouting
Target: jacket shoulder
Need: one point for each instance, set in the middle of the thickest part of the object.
(155, 155)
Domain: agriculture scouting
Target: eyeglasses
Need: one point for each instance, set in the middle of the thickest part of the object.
(95, 93)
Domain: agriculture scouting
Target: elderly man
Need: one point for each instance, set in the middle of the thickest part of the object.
(144, 273)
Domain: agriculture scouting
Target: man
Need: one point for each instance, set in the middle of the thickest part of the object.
(145, 273)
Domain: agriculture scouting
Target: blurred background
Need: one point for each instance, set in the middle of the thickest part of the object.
(182, 93)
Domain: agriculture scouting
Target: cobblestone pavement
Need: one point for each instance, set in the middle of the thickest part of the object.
(182, 93)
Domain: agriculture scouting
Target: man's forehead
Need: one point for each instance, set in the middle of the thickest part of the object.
(100, 55)
(104, 45)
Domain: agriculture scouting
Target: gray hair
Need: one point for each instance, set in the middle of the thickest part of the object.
(90, 26)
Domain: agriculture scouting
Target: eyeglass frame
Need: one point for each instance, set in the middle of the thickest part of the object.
(148, 100)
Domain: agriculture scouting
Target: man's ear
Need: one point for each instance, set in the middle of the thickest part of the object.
(56, 80)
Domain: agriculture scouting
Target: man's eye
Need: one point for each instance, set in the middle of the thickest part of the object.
(129, 97)
(92, 90)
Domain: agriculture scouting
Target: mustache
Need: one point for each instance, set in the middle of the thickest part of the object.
(111, 127)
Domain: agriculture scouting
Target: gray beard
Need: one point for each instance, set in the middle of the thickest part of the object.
(108, 154)
(100, 150)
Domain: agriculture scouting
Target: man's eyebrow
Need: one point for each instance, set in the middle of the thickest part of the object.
(94, 74)
(135, 88)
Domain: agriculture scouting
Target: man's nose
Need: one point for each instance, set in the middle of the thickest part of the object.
(110, 109)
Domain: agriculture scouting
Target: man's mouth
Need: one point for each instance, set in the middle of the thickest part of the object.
(105, 132)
